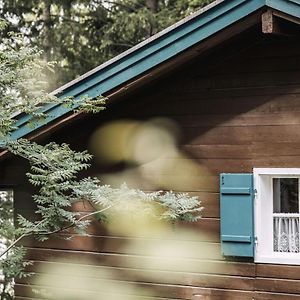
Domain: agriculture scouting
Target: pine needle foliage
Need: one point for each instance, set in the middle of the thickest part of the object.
(81, 34)
(13, 264)
(22, 90)
(55, 168)
(23, 85)
(160, 204)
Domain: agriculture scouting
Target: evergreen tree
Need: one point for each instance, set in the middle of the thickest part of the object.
(81, 34)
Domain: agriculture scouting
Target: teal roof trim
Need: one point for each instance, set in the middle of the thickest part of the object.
(155, 51)
(290, 7)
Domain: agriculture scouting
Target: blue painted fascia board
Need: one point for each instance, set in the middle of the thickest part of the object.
(164, 42)
(290, 7)
(156, 52)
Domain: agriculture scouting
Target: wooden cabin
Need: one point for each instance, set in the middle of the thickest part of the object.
(228, 76)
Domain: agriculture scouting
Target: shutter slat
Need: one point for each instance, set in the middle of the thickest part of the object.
(246, 191)
(236, 201)
(236, 238)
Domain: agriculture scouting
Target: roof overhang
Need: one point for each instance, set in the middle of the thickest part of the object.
(184, 39)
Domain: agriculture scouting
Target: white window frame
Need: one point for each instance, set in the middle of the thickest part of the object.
(263, 215)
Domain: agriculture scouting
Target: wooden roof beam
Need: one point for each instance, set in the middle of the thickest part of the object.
(273, 23)
(270, 23)
(286, 17)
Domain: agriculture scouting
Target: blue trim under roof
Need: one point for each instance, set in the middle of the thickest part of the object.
(154, 51)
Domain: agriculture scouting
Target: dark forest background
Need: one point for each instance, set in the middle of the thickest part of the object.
(81, 34)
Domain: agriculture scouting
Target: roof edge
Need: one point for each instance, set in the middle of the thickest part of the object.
(156, 50)
(136, 47)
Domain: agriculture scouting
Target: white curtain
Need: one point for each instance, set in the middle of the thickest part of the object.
(286, 234)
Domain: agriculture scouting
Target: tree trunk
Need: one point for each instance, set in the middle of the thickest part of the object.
(152, 5)
(46, 29)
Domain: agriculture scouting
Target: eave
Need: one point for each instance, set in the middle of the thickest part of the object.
(154, 53)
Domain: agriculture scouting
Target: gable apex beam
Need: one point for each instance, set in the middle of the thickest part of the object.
(269, 23)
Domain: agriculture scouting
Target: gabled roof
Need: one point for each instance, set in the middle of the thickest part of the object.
(155, 51)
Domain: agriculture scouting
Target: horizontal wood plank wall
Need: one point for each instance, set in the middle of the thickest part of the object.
(237, 108)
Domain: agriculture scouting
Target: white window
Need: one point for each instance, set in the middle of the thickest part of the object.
(277, 215)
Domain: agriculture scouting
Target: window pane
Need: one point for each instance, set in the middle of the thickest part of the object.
(286, 234)
(285, 195)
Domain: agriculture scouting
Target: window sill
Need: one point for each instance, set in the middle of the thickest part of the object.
(282, 258)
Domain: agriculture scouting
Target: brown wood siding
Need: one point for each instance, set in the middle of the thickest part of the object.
(237, 107)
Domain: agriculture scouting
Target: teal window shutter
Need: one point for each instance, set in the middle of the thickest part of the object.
(236, 201)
